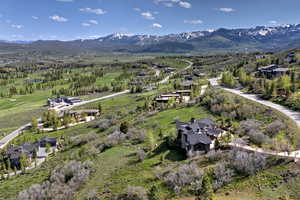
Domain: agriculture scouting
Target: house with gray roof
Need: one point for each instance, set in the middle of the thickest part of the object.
(197, 135)
(272, 71)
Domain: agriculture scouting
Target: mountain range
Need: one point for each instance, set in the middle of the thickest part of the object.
(260, 38)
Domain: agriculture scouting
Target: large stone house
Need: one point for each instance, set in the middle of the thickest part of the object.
(272, 71)
(31, 150)
(197, 135)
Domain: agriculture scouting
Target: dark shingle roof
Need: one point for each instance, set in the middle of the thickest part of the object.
(198, 131)
(195, 138)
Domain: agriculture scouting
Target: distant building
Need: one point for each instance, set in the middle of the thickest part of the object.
(89, 113)
(260, 56)
(179, 96)
(188, 85)
(291, 57)
(53, 102)
(197, 135)
(272, 71)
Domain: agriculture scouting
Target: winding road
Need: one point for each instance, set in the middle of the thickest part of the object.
(4, 141)
(295, 116)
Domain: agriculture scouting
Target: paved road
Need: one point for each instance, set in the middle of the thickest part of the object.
(173, 73)
(4, 141)
(295, 116)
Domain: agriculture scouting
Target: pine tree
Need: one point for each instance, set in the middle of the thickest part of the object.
(124, 127)
(207, 188)
(34, 124)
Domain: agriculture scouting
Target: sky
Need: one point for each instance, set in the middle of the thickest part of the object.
(87, 19)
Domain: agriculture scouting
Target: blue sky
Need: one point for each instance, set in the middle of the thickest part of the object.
(73, 19)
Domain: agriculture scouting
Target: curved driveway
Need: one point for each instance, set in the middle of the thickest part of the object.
(295, 116)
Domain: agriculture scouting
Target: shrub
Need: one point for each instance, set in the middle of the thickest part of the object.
(214, 156)
(138, 136)
(133, 193)
(247, 163)
(185, 175)
(221, 175)
(158, 172)
(83, 139)
(258, 138)
(92, 195)
(62, 184)
(102, 124)
(275, 127)
(115, 138)
(250, 125)
(141, 155)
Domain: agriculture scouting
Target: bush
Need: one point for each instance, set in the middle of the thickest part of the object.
(133, 193)
(83, 139)
(138, 136)
(185, 175)
(62, 184)
(258, 138)
(102, 124)
(221, 175)
(214, 156)
(247, 163)
(141, 155)
(250, 125)
(115, 138)
(275, 127)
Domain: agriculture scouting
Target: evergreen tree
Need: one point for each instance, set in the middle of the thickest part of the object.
(34, 124)
(124, 127)
(24, 161)
(207, 188)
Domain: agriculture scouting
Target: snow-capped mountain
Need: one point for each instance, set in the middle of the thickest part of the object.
(250, 39)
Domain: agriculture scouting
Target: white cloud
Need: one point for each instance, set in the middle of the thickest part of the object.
(92, 21)
(67, 1)
(185, 4)
(18, 26)
(35, 17)
(170, 3)
(148, 15)
(197, 21)
(85, 24)
(58, 18)
(274, 22)
(137, 9)
(226, 9)
(89, 23)
(156, 25)
(96, 11)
